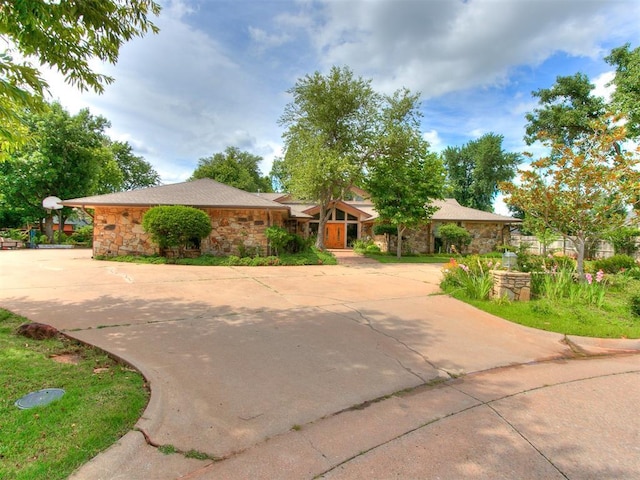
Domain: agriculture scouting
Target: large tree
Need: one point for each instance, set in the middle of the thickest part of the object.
(136, 171)
(331, 127)
(475, 170)
(626, 97)
(235, 168)
(65, 35)
(64, 160)
(578, 190)
(403, 178)
(566, 110)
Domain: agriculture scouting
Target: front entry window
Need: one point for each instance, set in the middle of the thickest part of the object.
(352, 233)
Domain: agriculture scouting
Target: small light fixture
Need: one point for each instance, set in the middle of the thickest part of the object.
(509, 260)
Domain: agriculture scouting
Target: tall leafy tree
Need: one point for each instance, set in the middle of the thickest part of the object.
(566, 110)
(65, 35)
(626, 97)
(65, 159)
(404, 178)
(235, 168)
(577, 191)
(331, 126)
(475, 170)
(136, 171)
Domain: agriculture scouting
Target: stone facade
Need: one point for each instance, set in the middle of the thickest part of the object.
(514, 286)
(484, 238)
(118, 231)
(235, 230)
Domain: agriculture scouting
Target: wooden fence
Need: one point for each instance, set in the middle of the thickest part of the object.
(602, 250)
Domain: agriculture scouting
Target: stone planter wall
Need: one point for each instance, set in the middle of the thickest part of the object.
(515, 286)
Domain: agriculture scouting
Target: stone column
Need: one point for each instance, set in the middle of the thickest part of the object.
(515, 286)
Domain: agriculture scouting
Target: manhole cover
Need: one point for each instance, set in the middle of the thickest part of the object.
(39, 398)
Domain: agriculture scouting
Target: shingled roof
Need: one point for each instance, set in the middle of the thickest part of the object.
(201, 193)
(449, 210)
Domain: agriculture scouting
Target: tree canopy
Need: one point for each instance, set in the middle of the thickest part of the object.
(626, 97)
(63, 35)
(70, 156)
(235, 168)
(403, 178)
(331, 127)
(579, 191)
(475, 170)
(64, 160)
(566, 110)
(136, 171)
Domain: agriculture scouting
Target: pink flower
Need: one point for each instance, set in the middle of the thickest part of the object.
(464, 267)
(589, 278)
(599, 276)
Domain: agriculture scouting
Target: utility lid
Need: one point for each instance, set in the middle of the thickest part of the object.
(39, 398)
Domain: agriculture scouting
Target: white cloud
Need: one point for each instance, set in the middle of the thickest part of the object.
(178, 96)
(217, 73)
(441, 46)
(602, 87)
(265, 40)
(436, 143)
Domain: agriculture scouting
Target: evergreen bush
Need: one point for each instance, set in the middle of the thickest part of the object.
(176, 226)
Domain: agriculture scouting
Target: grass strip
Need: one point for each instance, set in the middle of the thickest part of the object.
(614, 319)
(104, 398)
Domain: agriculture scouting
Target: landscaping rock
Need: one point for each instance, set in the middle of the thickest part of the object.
(37, 331)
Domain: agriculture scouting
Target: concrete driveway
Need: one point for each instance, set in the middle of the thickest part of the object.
(350, 371)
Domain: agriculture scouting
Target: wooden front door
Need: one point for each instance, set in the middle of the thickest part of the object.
(334, 235)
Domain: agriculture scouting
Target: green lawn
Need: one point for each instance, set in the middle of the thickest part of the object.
(391, 258)
(613, 320)
(103, 400)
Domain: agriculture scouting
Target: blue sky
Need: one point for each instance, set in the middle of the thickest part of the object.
(217, 73)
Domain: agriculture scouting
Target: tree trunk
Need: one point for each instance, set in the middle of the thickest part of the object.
(399, 242)
(48, 227)
(580, 243)
(320, 238)
(322, 224)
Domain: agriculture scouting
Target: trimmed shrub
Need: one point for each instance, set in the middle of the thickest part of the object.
(454, 236)
(372, 249)
(615, 264)
(362, 246)
(176, 226)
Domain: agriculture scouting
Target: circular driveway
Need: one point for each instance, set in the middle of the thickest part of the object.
(239, 355)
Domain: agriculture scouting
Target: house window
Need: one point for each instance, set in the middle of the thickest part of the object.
(352, 218)
(339, 214)
(352, 233)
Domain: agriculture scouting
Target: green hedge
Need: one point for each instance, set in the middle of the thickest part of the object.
(176, 225)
